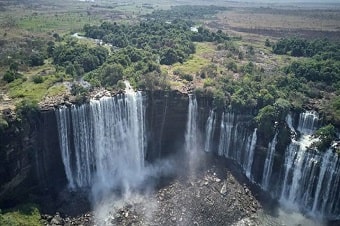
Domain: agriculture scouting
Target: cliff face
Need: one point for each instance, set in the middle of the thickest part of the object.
(166, 116)
(31, 161)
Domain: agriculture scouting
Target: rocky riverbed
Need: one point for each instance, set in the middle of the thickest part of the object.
(213, 196)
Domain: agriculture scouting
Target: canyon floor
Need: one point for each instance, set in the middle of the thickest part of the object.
(209, 195)
(212, 192)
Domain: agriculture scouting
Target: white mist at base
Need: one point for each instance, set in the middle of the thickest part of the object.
(283, 217)
(140, 198)
(105, 212)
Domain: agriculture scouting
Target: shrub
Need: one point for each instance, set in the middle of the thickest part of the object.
(36, 59)
(187, 77)
(232, 66)
(27, 109)
(326, 135)
(37, 79)
(121, 85)
(78, 90)
(9, 76)
(24, 215)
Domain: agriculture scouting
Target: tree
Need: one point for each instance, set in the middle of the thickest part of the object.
(9, 76)
(111, 74)
(169, 57)
(326, 135)
(266, 118)
(70, 69)
(37, 79)
(36, 59)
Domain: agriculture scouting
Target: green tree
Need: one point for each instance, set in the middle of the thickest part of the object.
(111, 74)
(37, 79)
(36, 59)
(266, 119)
(9, 76)
(326, 135)
(169, 56)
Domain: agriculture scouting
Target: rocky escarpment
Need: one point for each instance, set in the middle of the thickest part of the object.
(30, 160)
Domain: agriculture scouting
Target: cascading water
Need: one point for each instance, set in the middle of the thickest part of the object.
(108, 145)
(309, 174)
(327, 168)
(268, 164)
(209, 131)
(236, 142)
(227, 124)
(191, 138)
(63, 118)
(289, 122)
(308, 122)
(103, 147)
(250, 157)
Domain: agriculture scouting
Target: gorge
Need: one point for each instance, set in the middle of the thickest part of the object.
(116, 144)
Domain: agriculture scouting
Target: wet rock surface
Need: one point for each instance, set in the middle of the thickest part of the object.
(211, 197)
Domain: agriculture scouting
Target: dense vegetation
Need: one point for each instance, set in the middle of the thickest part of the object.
(24, 215)
(318, 72)
(324, 49)
(172, 41)
(138, 50)
(311, 81)
(147, 52)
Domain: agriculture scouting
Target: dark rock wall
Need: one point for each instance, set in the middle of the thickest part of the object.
(166, 116)
(30, 159)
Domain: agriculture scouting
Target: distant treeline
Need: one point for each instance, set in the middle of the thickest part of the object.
(186, 12)
(322, 63)
(304, 48)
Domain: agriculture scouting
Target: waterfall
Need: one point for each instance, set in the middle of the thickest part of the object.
(209, 131)
(307, 122)
(296, 158)
(326, 165)
(63, 121)
(236, 142)
(227, 124)
(250, 158)
(191, 137)
(289, 122)
(268, 165)
(311, 178)
(107, 148)
(327, 183)
(83, 145)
